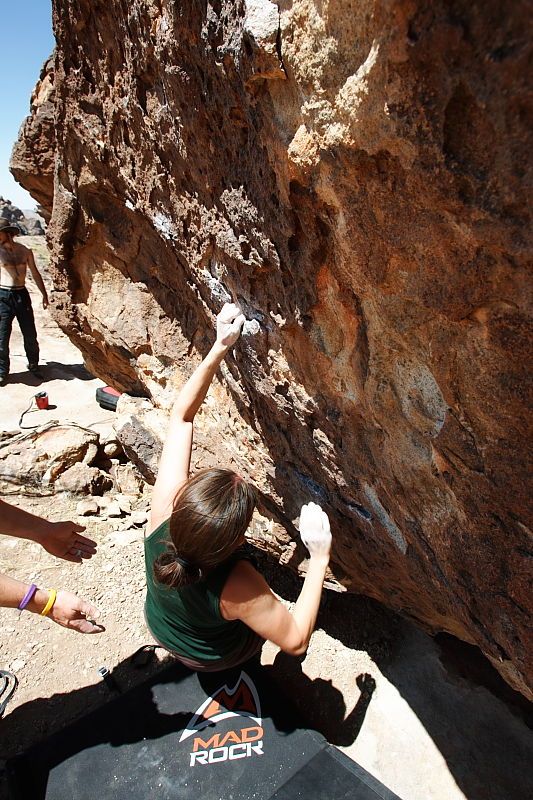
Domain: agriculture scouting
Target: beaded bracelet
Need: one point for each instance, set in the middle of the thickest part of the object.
(50, 602)
(27, 597)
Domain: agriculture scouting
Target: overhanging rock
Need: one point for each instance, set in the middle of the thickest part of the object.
(366, 205)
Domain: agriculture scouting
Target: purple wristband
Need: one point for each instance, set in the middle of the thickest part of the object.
(27, 597)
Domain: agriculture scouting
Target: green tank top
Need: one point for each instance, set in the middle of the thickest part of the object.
(188, 620)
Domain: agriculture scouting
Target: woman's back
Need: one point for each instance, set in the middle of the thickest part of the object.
(204, 602)
(188, 621)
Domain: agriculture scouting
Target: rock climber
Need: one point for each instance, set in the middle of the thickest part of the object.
(206, 602)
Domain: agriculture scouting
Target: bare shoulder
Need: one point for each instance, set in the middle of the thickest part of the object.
(243, 587)
(243, 578)
(22, 251)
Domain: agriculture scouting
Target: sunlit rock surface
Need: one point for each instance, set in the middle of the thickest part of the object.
(354, 175)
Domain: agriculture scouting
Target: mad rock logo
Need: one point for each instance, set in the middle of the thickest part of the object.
(243, 738)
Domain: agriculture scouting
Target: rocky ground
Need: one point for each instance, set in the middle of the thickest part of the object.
(427, 717)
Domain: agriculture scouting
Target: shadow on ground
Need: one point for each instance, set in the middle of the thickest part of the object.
(161, 702)
(52, 371)
(321, 702)
(481, 727)
(477, 723)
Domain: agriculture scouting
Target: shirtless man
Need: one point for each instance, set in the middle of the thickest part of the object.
(15, 260)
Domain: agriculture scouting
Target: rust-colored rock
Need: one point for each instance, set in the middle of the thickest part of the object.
(356, 180)
(33, 157)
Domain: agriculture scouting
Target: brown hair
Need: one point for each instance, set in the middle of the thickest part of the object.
(210, 516)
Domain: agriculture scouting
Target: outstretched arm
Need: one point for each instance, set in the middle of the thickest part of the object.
(61, 539)
(36, 275)
(248, 597)
(67, 609)
(175, 458)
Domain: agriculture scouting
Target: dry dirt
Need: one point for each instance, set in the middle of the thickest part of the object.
(417, 723)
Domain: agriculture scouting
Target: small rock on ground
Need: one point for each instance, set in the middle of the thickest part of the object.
(87, 508)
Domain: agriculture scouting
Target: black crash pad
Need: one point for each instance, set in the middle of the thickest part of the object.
(181, 735)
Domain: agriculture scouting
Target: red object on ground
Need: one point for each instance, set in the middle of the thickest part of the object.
(42, 400)
(107, 397)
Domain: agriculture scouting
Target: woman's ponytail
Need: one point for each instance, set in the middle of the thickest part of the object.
(210, 516)
(175, 571)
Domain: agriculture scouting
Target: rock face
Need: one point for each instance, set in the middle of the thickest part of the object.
(33, 156)
(354, 175)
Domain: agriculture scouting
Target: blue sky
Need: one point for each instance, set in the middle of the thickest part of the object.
(27, 41)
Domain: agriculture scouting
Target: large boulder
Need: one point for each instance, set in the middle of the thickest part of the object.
(33, 226)
(356, 178)
(10, 211)
(33, 156)
(42, 456)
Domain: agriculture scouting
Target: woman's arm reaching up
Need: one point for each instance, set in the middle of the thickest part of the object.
(176, 456)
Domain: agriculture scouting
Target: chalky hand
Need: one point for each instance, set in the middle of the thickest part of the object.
(229, 323)
(315, 531)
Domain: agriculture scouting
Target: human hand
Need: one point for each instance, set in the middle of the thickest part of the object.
(366, 684)
(314, 530)
(64, 540)
(229, 323)
(72, 612)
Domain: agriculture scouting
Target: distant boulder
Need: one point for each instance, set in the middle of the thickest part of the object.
(33, 226)
(9, 211)
(28, 223)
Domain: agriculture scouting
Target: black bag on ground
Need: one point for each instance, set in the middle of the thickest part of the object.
(107, 397)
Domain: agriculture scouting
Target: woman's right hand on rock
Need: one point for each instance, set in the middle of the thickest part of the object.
(229, 323)
(315, 531)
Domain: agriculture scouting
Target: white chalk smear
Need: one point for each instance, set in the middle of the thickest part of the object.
(217, 288)
(251, 327)
(164, 225)
(390, 526)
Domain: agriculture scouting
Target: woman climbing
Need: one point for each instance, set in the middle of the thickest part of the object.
(206, 603)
